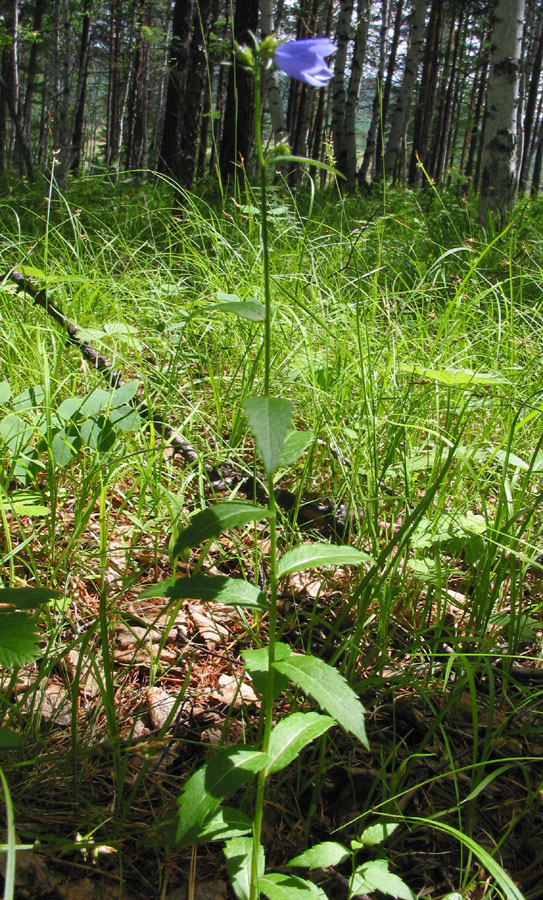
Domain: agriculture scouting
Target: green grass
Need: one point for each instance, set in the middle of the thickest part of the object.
(380, 308)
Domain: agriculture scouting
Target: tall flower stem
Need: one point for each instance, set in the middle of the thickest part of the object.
(272, 623)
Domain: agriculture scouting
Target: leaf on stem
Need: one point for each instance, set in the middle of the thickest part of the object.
(211, 589)
(270, 418)
(310, 556)
(329, 689)
(289, 887)
(291, 735)
(239, 861)
(321, 856)
(250, 309)
(375, 876)
(203, 792)
(296, 443)
(211, 522)
(256, 664)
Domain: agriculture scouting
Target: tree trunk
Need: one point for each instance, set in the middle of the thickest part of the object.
(192, 106)
(338, 84)
(398, 125)
(529, 116)
(136, 140)
(385, 99)
(426, 100)
(237, 133)
(271, 79)
(353, 92)
(499, 163)
(376, 109)
(81, 93)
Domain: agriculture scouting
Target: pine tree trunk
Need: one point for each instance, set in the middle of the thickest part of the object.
(338, 84)
(499, 162)
(79, 110)
(385, 99)
(369, 150)
(237, 131)
(353, 91)
(178, 69)
(426, 100)
(529, 116)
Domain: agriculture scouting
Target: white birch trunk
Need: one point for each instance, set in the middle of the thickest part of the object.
(499, 162)
(400, 117)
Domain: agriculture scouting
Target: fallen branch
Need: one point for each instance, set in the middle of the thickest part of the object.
(325, 515)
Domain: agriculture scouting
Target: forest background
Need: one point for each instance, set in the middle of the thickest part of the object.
(404, 265)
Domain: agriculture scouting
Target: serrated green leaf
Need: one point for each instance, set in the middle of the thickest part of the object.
(375, 876)
(321, 856)
(204, 790)
(211, 589)
(374, 834)
(226, 823)
(256, 664)
(310, 556)
(5, 391)
(211, 522)
(250, 309)
(329, 688)
(17, 639)
(270, 418)
(289, 887)
(292, 734)
(125, 418)
(125, 393)
(28, 598)
(296, 443)
(239, 861)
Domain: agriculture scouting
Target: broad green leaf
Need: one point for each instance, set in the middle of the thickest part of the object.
(95, 402)
(321, 856)
(64, 447)
(310, 556)
(15, 432)
(211, 522)
(125, 418)
(454, 377)
(256, 664)
(203, 792)
(125, 393)
(292, 734)
(70, 407)
(211, 589)
(239, 861)
(28, 598)
(29, 399)
(375, 876)
(329, 688)
(5, 391)
(270, 418)
(289, 887)
(226, 823)
(17, 639)
(9, 740)
(296, 443)
(250, 309)
(374, 834)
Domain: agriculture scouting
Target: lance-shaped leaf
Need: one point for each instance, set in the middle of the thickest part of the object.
(310, 556)
(374, 834)
(321, 856)
(226, 823)
(211, 522)
(292, 734)
(329, 689)
(239, 862)
(270, 418)
(256, 664)
(250, 309)
(289, 887)
(204, 790)
(211, 589)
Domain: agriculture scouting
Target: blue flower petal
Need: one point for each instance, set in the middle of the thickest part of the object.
(305, 60)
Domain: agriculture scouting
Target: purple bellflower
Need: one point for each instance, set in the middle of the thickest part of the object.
(304, 60)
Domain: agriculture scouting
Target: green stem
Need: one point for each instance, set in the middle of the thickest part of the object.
(269, 698)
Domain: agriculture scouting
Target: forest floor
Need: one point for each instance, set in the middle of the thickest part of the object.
(402, 332)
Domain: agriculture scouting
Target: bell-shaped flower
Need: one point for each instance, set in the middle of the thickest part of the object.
(305, 60)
